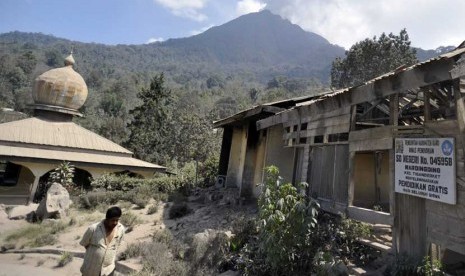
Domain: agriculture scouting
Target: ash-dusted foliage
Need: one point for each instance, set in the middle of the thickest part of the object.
(287, 220)
(295, 237)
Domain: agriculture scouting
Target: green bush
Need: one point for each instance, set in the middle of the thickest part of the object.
(94, 199)
(287, 220)
(208, 171)
(125, 183)
(295, 237)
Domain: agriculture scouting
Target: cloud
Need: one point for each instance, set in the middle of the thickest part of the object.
(154, 39)
(430, 23)
(201, 30)
(185, 8)
(249, 6)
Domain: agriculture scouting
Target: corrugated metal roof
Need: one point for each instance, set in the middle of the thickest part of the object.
(39, 131)
(451, 54)
(84, 157)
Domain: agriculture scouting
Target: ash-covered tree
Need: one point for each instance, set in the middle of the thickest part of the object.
(370, 58)
(149, 137)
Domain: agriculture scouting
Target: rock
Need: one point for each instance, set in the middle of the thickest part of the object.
(3, 214)
(22, 211)
(55, 204)
(201, 241)
(196, 198)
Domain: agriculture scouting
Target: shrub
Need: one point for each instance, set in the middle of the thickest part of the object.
(287, 220)
(133, 250)
(94, 199)
(243, 229)
(130, 220)
(405, 265)
(294, 237)
(65, 258)
(125, 183)
(208, 171)
(179, 210)
(152, 209)
(157, 260)
(139, 199)
(163, 236)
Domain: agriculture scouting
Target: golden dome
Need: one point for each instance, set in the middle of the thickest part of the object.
(61, 90)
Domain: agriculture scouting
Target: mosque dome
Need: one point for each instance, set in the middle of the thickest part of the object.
(61, 90)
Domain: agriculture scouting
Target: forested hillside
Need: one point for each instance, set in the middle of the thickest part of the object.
(255, 58)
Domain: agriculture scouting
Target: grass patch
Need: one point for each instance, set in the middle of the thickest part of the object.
(65, 258)
(37, 235)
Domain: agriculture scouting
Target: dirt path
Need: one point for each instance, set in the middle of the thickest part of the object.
(204, 215)
(36, 264)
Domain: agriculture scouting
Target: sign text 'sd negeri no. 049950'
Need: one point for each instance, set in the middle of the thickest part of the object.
(425, 167)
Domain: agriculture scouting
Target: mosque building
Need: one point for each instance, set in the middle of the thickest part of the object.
(32, 147)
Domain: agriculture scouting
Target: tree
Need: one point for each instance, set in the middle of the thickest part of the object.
(149, 127)
(372, 57)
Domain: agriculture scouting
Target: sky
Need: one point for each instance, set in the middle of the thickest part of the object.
(429, 23)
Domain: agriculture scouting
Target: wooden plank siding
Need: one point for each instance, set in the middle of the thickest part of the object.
(446, 223)
(378, 138)
(328, 172)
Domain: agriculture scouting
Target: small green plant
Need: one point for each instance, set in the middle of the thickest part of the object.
(65, 258)
(40, 262)
(405, 265)
(22, 256)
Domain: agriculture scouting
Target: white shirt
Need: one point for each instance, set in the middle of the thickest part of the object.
(99, 258)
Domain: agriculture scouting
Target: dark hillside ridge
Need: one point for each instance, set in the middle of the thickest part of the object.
(254, 47)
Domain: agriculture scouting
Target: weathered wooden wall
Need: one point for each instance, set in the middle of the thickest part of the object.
(277, 155)
(328, 172)
(410, 225)
(446, 223)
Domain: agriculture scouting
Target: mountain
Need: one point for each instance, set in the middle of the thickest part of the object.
(258, 46)
(265, 43)
(423, 55)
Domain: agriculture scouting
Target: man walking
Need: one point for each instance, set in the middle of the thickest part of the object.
(101, 241)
